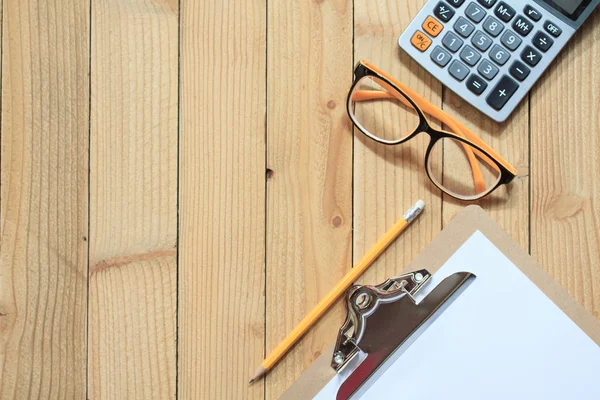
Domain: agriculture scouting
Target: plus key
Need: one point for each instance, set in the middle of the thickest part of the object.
(502, 92)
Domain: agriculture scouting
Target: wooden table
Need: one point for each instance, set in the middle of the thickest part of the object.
(180, 184)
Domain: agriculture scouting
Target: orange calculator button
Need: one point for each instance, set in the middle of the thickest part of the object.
(420, 41)
(432, 26)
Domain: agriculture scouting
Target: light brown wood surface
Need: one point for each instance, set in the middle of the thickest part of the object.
(133, 200)
(180, 183)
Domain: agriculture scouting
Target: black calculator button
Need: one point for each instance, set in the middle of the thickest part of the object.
(531, 56)
(492, 26)
(470, 56)
(475, 13)
(463, 27)
(510, 40)
(542, 41)
(440, 56)
(504, 11)
(519, 71)
(487, 3)
(522, 26)
(456, 3)
(502, 92)
(552, 29)
(481, 41)
(476, 84)
(452, 42)
(443, 12)
(488, 70)
(458, 70)
(532, 13)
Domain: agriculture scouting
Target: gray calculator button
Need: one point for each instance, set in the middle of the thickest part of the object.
(452, 42)
(492, 26)
(488, 70)
(463, 27)
(510, 40)
(469, 55)
(458, 70)
(481, 41)
(440, 56)
(475, 13)
(499, 55)
(532, 13)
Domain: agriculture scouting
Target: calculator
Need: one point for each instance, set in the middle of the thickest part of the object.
(491, 52)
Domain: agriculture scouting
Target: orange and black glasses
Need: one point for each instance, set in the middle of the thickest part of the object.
(457, 162)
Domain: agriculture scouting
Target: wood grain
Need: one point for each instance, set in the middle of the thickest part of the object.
(309, 192)
(133, 199)
(565, 209)
(222, 198)
(390, 179)
(44, 192)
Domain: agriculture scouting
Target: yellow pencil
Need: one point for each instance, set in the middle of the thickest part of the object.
(338, 290)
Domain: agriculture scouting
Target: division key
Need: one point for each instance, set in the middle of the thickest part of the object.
(502, 92)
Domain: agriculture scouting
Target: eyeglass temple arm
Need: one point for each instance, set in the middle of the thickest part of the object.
(479, 181)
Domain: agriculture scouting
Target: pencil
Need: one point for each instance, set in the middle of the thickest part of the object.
(338, 290)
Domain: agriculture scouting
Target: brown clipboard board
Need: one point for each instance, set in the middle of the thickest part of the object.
(466, 223)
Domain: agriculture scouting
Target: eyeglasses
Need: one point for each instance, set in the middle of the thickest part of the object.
(459, 163)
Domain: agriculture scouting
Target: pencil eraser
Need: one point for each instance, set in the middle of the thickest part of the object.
(420, 204)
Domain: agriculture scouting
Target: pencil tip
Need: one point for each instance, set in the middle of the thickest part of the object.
(259, 372)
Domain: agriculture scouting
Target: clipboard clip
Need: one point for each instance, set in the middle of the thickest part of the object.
(364, 301)
(380, 318)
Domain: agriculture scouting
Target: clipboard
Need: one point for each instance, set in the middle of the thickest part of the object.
(437, 253)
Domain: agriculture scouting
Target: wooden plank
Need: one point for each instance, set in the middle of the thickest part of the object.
(44, 199)
(133, 199)
(508, 205)
(390, 179)
(222, 198)
(309, 192)
(565, 209)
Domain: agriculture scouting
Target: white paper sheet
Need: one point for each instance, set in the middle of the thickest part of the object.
(499, 338)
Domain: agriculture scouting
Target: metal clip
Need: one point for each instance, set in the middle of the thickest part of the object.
(362, 302)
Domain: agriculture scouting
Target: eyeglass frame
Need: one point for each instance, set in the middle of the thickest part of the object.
(507, 172)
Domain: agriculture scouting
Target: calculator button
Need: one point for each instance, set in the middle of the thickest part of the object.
(432, 26)
(542, 41)
(492, 26)
(531, 56)
(504, 11)
(487, 3)
(519, 70)
(475, 13)
(499, 55)
(552, 29)
(510, 40)
(469, 55)
(522, 26)
(443, 11)
(463, 27)
(476, 84)
(532, 13)
(452, 42)
(488, 70)
(481, 41)
(440, 56)
(456, 3)
(420, 41)
(502, 92)
(458, 70)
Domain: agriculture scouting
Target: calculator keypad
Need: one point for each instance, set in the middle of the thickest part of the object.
(490, 46)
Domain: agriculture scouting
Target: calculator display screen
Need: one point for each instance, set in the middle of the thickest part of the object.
(570, 8)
